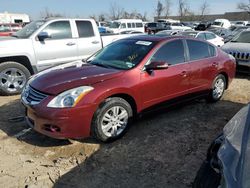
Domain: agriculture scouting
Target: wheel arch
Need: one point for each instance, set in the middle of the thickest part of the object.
(23, 60)
(226, 77)
(127, 98)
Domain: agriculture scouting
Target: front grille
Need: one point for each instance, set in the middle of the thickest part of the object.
(241, 55)
(33, 96)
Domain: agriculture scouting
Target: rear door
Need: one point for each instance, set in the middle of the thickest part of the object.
(161, 85)
(60, 48)
(88, 41)
(203, 64)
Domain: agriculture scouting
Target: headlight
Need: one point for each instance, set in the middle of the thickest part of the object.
(69, 98)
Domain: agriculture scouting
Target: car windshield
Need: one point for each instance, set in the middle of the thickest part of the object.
(123, 54)
(243, 37)
(217, 23)
(115, 25)
(29, 29)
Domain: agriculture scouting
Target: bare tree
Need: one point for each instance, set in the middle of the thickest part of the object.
(93, 16)
(167, 8)
(204, 9)
(116, 12)
(47, 14)
(244, 6)
(184, 9)
(101, 17)
(159, 9)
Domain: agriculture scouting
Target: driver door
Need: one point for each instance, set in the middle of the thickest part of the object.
(60, 48)
(161, 85)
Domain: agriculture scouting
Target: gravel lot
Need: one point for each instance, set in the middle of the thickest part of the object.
(161, 149)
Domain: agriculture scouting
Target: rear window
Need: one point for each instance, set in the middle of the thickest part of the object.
(197, 50)
(85, 29)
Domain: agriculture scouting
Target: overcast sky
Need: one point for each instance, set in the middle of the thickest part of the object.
(85, 8)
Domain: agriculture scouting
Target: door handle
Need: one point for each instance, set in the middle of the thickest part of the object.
(71, 44)
(95, 42)
(184, 74)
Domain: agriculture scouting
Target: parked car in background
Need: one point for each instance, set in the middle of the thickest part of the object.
(177, 26)
(235, 32)
(202, 26)
(168, 32)
(205, 35)
(241, 23)
(239, 47)
(154, 27)
(171, 32)
(101, 96)
(228, 157)
(46, 43)
(118, 26)
(9, 29)
(223, 23)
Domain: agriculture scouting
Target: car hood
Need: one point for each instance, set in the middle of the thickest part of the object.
(235, 149)
(64, 77)
(236, 47)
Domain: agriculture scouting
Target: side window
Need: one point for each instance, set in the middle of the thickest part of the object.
(197, 50)
(210, 36)
(85, 29)
(139, 25)
(171, 52)
(212, 50)
(201, 36)
(123, 25)
(129, 25)
(59, 30)
(133, 25)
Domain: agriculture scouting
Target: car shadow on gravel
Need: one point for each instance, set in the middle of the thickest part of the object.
(163, 148)
(243, 76)
(13, 124)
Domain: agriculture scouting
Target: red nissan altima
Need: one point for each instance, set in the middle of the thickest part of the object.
(101, 96)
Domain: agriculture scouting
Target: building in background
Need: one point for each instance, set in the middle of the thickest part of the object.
(14, 18)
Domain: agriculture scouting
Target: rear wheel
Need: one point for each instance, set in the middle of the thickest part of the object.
(112, 119)
(218, 88)
(13, 77)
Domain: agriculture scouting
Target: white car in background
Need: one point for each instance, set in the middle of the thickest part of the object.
(205, 35)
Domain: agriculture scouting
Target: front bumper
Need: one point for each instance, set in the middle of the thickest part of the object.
(60, 123)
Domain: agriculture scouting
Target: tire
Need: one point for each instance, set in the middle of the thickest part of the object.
(111, 120)
(218, 88)
(13, 77)
(206, 177)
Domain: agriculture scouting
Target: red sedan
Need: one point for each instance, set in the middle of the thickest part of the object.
(100, 97)
(9, 29)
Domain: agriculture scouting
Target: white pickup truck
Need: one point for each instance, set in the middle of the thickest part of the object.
(46, 43)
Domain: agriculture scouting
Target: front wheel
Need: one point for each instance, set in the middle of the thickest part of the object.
(13, 77)
(218, 88)
(112, 119)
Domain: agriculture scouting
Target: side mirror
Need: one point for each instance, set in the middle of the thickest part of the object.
(42, 36)
(156, 66)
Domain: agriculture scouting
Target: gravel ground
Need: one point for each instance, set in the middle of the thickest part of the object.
(161, 149)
